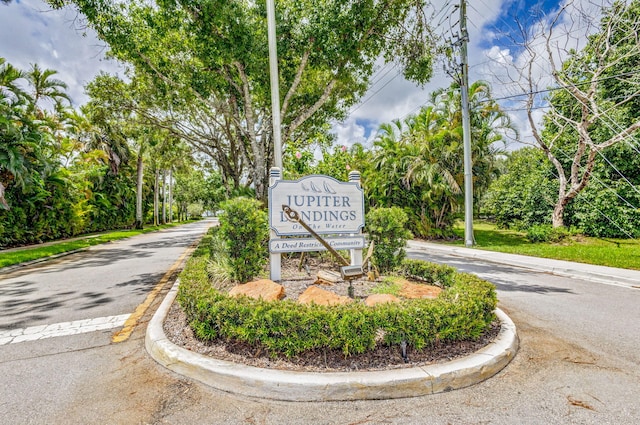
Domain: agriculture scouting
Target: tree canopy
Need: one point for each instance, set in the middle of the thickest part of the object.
(206, 64)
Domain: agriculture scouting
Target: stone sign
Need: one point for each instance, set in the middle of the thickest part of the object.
(325, 204)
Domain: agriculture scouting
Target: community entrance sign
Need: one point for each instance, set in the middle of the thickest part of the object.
(326, 206)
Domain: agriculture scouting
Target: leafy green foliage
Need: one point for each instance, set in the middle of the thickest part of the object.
(417, 164)
(611, 212)
(243, 225)
(387, 231)
(337, 164)
(597, 107)
(65, 172)
(525, 194)
(432, 273)
(546, 233)
(204, 64)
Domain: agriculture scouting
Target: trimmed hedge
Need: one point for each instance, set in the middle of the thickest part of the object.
(464, 310)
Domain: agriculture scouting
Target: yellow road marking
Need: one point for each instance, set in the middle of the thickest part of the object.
(132, 321)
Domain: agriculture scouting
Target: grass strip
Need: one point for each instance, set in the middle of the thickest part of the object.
(621, 253)
(22, 255)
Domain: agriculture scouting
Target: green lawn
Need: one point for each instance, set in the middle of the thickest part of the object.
(35, 252)
(623, 253)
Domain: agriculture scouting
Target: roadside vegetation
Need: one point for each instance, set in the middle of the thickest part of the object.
(188, 131)
(612, 252)
(464, 310)
(30, 253)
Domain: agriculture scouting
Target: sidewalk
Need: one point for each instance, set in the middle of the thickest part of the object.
(601, 274)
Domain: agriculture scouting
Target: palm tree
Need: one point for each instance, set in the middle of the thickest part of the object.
(44, 87)
(491, 128)
(10, 92)
(22, 144)
(384, 182)
(106, 132)
(419, 162)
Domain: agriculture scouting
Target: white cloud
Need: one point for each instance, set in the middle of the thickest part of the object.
(493, 55)
(34, 33)
(392, 97)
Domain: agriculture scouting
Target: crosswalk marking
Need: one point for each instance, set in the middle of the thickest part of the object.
(33, 333)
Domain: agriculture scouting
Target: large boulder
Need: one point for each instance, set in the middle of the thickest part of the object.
(375, 299)
(264, 289)
(319, 296)
(414, 290)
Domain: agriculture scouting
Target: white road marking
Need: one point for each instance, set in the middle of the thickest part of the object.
(34, 333)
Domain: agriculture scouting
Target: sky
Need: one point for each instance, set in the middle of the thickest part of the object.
(30, 32)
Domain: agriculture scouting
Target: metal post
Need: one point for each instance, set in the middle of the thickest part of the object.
(275, 90)
(466, 129)
(356, 254)
(275, 259)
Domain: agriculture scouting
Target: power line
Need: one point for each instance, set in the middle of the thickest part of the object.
(373, 94)
(536, 92)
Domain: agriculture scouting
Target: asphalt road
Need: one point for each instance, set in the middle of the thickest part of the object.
(578, 361)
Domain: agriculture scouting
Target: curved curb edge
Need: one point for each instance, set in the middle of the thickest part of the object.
(333, 386)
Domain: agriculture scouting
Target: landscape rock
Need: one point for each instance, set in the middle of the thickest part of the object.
(264, 289)
(319, 296)
(375, 299)
(415, 290)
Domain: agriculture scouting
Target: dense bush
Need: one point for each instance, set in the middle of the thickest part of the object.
(547, 233)
(387, 230)
(464, 310)
(610, 212)
(525, 195)
(243, 225)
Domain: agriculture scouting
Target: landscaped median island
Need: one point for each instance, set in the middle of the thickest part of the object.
(456, 319)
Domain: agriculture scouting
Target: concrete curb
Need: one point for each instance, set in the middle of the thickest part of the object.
(311, 386)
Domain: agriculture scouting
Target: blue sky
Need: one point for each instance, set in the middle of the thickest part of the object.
(31, 32)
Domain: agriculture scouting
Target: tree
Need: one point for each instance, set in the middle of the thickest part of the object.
(593, 88)
(206, 63)
(418, 163)
(525, 194)
(25, 140)
(44, 87)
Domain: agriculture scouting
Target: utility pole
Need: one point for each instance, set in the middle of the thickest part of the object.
(466, 128)
(275, 88)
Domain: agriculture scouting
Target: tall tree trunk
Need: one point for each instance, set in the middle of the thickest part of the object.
(156, 200)
(139, 182)
(164, 196)
(170, 195)
(557, 218)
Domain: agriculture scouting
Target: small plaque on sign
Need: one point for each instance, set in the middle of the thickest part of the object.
(280, 245)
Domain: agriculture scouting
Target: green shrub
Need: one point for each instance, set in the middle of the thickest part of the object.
(387, 230)
(463, 311)
(546, 233)
(243, 225)
(432, 273)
